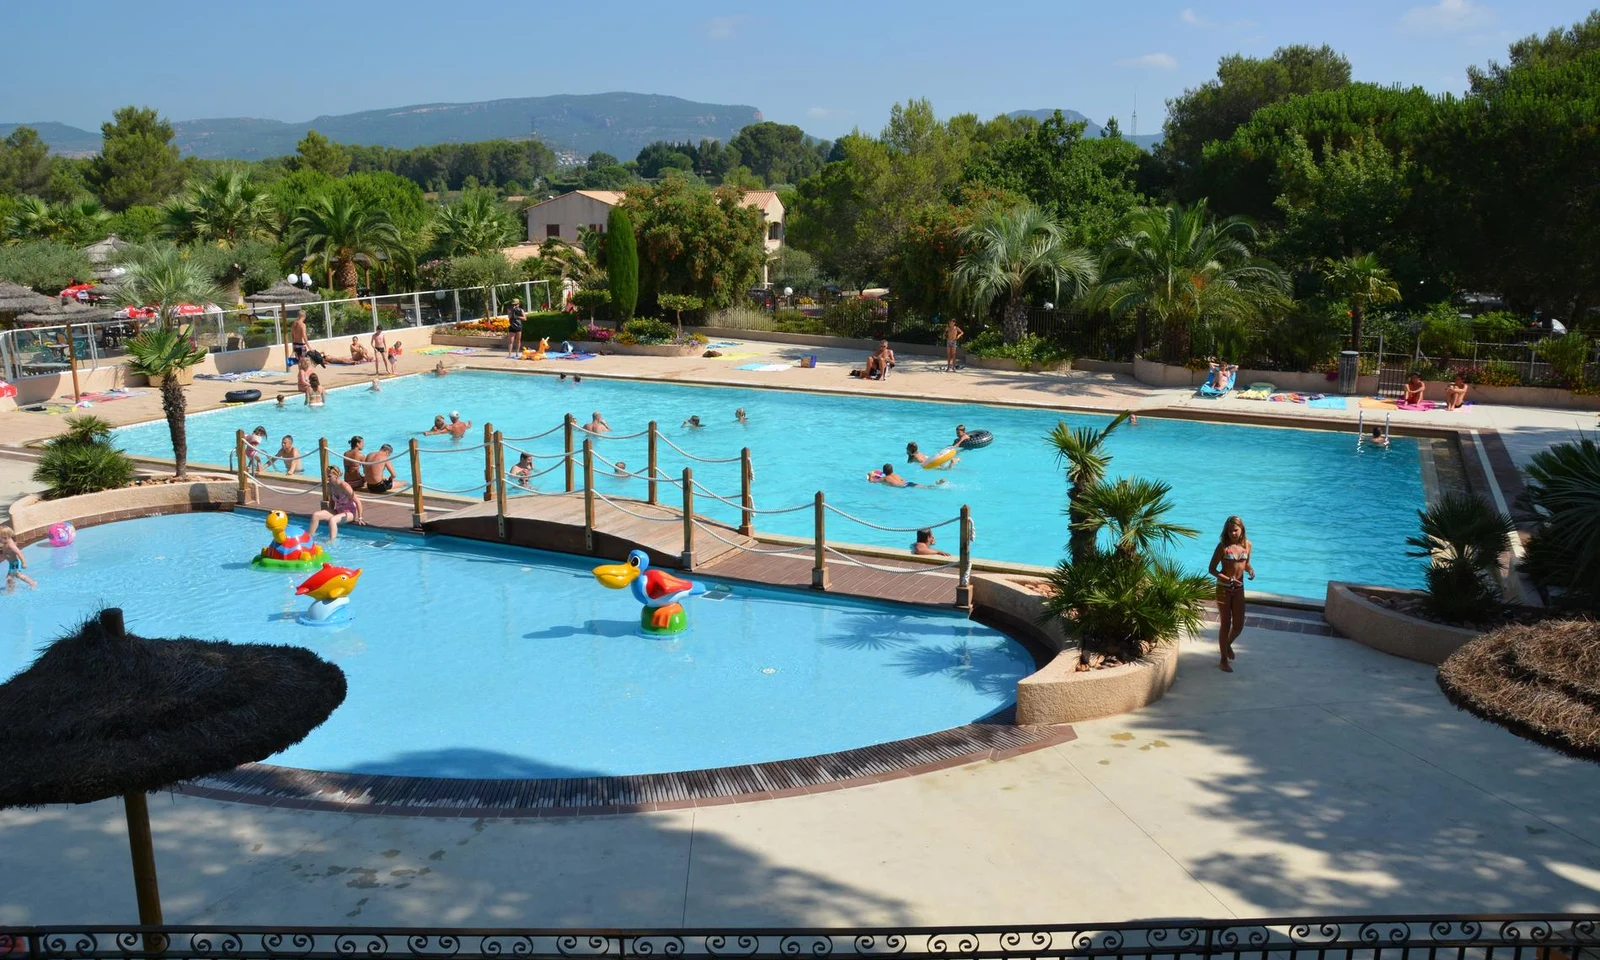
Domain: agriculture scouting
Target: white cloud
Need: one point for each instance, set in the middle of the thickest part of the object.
(723, 28)
(1187, 15)
(1154, 61)
(818, 113)
(1447, 16)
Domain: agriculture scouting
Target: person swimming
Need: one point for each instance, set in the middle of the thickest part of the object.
(693, 422)
(889, 478)
(913, 455)
(1378, 438)
(739, 415)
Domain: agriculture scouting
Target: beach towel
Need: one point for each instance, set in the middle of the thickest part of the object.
(572, 356)
(1329, 403)
(723, 345)
(432, 351)
(110, 395)
(1288, 398)
(763, 367)
(464, 350)
(235, 377)
(53, 409)
(1422, 407)
(736, 356)
(1377, 403)
(1257, 391)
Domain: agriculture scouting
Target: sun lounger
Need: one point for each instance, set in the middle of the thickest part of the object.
(1207, 390)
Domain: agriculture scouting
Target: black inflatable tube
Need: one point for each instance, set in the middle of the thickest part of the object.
(976, 439)
(242, 396)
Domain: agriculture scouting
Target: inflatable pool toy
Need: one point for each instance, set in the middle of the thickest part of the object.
(242, 396)
(291, 547)
(944, 458)
(544, 344)
(62, 534)
(875, 476)
(976, 439)
(329, 589)
(659, 591)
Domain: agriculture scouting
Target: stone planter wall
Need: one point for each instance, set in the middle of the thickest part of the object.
(656, 349)
(1163, 375)
(1390, 631)
(1006, 363)
(1103, 366)
(487, 342)
(1057, 693)
(819, 340)
(32, 516)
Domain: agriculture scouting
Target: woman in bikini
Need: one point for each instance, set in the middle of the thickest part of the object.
(1230, 564)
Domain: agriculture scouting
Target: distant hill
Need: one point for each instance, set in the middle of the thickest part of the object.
(618, 123)
(1147, 141)
(65, 140)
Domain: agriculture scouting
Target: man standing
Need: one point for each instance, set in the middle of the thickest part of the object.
(297, 336)
(514, 318)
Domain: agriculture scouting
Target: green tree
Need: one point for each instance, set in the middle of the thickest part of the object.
(1133, 512)
(1462, 537)
(478, 223)
(677, 303)
(138, 162)
(82, 460)
(1357, 198)
(695, 240)
(1363, 283)
(661, 156)
(777, 152)
(137, 224)
(1177, 266)
(78, 221)
(1011, 250)
(25, 162)
(163, 278)
(46, 266)
(1082, 450)
(622, 263)
(227, 211)
(336, 229)
(316, 152)
(1563, 492)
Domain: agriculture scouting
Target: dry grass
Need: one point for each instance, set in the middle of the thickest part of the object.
(1540, 681)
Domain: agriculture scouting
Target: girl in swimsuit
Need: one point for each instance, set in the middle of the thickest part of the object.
(1230, 564)
(346, 506)
(913, 455)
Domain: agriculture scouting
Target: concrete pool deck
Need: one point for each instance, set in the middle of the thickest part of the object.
(1320, 777)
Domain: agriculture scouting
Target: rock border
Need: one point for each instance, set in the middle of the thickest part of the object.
(1390, 631)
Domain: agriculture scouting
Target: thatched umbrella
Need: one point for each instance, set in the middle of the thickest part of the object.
(102, 713)
(53, 313)
(15, 299)
(281, 293)
(1538, 680)
(102, 250)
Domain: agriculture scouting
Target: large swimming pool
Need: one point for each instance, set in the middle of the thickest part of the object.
(1315, 507)
(471, 660)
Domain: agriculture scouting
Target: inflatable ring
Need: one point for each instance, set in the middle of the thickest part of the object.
(242, 396)
(976, 439)
(941, 459)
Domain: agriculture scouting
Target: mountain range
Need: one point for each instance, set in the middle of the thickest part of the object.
(618, 123)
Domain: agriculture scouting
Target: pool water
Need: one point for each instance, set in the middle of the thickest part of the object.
(1315, 508)
(471, 660)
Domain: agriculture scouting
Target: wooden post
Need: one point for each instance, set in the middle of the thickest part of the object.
(819, 566)
(650, 469)
(322, 456)
(747, 504)
(688, 518)
(145, 887)
(964, 581)
(238, 451)
(588, 495)
(72, 361)
(488, 462)
(416, 485)
(499, 448)
(569, 425)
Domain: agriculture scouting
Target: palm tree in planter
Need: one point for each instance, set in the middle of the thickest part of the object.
(166, 348)
(1012, 250)
(1363, 282)
(337, 229)
(1462, 537)
(1083, 451)
(679, 302)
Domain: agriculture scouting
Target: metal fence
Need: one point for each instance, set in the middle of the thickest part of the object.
(45, 351)
(1442, 937)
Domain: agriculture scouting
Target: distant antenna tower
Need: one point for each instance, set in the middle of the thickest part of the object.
(1136, 113)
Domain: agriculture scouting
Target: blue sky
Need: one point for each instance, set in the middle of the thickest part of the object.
(826, 65)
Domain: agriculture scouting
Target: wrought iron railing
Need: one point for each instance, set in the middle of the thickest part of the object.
(1441, 937)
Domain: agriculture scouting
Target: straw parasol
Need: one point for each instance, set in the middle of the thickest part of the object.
(102, 713)
(15, 299)
(280, 293)
(69, 314)
(1538, 680)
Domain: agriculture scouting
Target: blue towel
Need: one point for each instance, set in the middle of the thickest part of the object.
(1329, 403)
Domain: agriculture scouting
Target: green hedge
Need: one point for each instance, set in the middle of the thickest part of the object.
(558, 325)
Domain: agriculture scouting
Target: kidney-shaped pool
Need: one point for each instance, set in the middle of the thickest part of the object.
(468, 660)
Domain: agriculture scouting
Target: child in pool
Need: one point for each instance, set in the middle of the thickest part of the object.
(15, 561)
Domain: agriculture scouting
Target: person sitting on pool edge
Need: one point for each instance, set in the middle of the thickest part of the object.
(924, 547)
(378, 473)
(346, 506)
(1414, 389)
(355, 460)
(1456, 394)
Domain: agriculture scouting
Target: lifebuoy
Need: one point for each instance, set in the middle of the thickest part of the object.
(976, 439)
(242, 396)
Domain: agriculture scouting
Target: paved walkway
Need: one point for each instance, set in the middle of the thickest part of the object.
(1321, 777)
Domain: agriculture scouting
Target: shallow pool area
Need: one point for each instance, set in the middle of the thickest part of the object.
(468, 660)
(1316, 507)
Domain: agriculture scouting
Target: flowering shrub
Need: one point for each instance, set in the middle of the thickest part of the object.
(1495, 373)
(596, 334)
(487, 325)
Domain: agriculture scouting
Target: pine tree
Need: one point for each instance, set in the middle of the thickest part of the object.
(622, 263)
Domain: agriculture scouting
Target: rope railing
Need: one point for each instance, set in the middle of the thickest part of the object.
(747, 548)
(614, 436)
(869, 523)
(919, 568)
(692, 456)
(537, 436)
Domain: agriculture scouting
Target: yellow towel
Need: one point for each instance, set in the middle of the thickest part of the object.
(735, 356)
(1368, 403)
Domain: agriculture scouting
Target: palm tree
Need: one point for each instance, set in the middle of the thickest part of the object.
(163, 278)
(479, 223)
(225, 211)
(1134, 512)
(1011, 250)
(1363, 282)
(561, 260)
(1176, 266)
(1463, 537)
(1082, 450)
(77, 221)
(337, 228)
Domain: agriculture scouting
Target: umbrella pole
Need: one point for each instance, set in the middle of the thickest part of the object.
(72, 358)
(144, 859)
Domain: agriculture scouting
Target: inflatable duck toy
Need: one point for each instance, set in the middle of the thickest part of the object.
(291, 547)
(659, 591)
(330, 590)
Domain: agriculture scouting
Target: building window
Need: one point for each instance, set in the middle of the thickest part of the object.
(775, 231)
(598, 227)
(552, 230)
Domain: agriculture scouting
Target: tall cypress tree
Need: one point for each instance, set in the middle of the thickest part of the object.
(622, 263)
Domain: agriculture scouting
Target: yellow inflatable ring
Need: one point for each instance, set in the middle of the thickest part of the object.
(942, 458)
